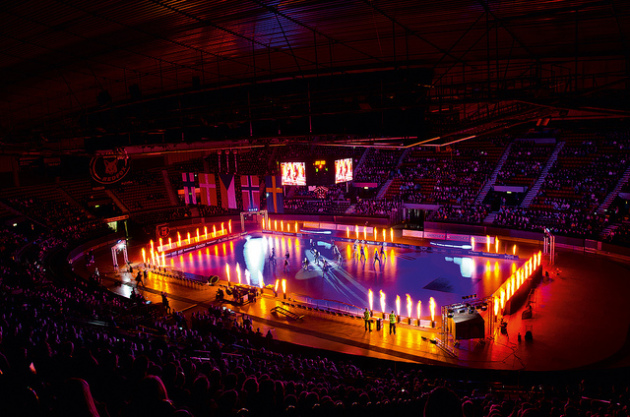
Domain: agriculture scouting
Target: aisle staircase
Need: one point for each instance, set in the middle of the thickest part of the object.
(611, 196)
(493, 177)
(383, 190)
(533, 192)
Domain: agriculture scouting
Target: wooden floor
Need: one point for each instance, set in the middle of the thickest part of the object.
(580, 321)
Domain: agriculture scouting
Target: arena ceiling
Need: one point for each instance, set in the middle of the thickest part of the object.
(62, 61)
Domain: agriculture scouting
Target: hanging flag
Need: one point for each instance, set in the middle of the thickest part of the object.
(250, 187)
(188, 178)
(208, 188)
(275, 194)
(228, 193)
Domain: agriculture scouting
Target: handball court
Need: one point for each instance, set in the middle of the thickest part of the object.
(580, 319)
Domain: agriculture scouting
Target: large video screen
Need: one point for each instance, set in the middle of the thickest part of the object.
(343, 170)
(293, 173)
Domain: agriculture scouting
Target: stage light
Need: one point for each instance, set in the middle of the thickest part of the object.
(144, 256)
(356, 231)
(364, 233)
(496, 244)
(197, 235)
(205, 232)
(230, 225)
(163, 260)
(419, 311)
(170, 243)
(370, 299)
(432, 309)
(282, 225)
(472, 242)
(296, 228)
(284, 287)
(502, 294)
(277, 285)
(409, 306)
(238, 273)
(160, 247)
(275, 225)
(188, 240)
(391, 233)
(496, 306)
(214, 230)
(375, 233)
(487, 243)
(514, 249)
(151, 242)
(398, 305)
(263, 223)
(222, 228)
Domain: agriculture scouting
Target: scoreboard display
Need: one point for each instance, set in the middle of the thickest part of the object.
(319, 171)
(343, 170)
(293, 173)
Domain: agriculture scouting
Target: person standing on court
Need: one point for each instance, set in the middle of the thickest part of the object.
(367, 319)
(392, 322)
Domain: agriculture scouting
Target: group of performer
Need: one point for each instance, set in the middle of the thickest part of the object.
(360, 251)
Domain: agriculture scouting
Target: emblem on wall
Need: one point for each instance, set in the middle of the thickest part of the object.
(110, 167)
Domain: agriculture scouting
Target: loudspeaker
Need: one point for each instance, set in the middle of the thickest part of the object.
(134, 91)
(528, 336)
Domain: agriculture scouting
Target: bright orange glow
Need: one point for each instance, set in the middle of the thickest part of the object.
(282, 225)
(472, 242)
(181, 260)
(347, 232)
(513, 267)
(179, 239)
(356, 231)
(152, 257)
(507, 290)
(398, 305)
(207, 252)
(214, 230)
(151, 242)
(364, 233)
(488, 266)
(263, 223)
(277, 284)
(496, 306)
(222, 228)
(296, 228)
(284, 286)
(289, 227)
(370, 298)
(487, 243)
(539, 257)
(144, 256)
(163, 259)
(384, 234)
(238, 272)
(216, 250)
(188, 239)
(205, 232)
(170, 243)
(514, 284)
(496, 244)
(172, 263)
(432, 308)
(382, 299)
(375, 233)
(275, 224)
(409, 306)
(197, 234)
(419, 310)
(230, 225)
(514, 249)
(161, 243)
(391, 234)
(502, 295)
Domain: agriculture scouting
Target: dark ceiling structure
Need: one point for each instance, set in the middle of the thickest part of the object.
(219, 69)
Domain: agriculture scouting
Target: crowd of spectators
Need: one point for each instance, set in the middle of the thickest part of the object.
(379, 165)
(573, 223)
(524, 163)
(465, 213)
(377, 208)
